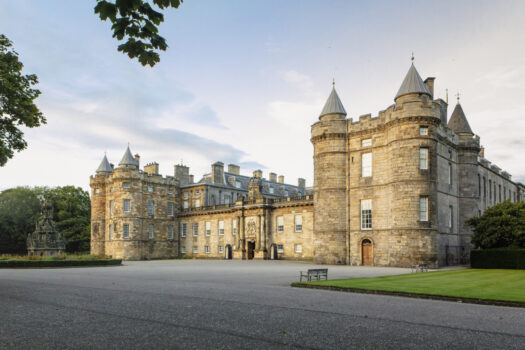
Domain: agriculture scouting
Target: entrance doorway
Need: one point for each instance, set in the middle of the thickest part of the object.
(273, 251)
(367, 254)
(251, 249)
(228, 252)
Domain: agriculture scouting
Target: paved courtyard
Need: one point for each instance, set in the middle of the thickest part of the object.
(232, 305)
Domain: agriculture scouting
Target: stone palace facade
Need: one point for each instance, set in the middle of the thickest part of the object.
(391, 190)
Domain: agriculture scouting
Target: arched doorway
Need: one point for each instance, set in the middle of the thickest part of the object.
(251, 250)
(273, 252)
(228, 252)
(367, 252)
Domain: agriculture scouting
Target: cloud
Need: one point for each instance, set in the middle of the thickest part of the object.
(502, 78)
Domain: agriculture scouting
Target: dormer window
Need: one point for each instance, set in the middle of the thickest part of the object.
(237, 184)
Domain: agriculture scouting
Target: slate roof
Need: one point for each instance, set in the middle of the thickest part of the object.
(333, 105)
(458, 121)
(104, 166)
(128, 159)
(413, 84)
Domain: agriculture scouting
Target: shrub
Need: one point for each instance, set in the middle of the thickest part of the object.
(498, 259)
(500, 226)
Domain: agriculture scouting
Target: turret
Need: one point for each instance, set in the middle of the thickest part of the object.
(128, 161)
(329, 141)
(98, 207)
(413, 86)
(104, 168)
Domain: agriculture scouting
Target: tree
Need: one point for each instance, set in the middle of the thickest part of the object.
(137, 21)
(20, 210)
(16, 102)
(500, 226)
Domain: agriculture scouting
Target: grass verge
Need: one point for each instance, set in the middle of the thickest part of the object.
(472, 285)
(63, 260)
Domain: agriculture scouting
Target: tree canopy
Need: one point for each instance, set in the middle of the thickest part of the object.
(500, 226)
(17, 105)
(137, 22)
(20, 210)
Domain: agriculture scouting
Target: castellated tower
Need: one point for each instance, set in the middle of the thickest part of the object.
(330, 220)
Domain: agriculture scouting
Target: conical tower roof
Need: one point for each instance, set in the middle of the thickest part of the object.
(333, 105)
(413, 84)
(128, 158)
(104, 166)
(458, 121)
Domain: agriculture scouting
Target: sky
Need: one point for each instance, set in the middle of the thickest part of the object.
(243, 81)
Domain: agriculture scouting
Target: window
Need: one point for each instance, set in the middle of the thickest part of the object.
(151, 231)
(234, 227)
(127, 205)
(185, 194)
(272, 190)
(423, 158)
(479, 185)
(280, 223)
(298, 223)
(195, 249)
(423, 130)
(170, 191)
(183, 250)
(111, 208)
(197, 192)
(221, 228)
(125, 231)
(185, 204)
(110, 232)
(208, 228)
(226, 199)
(484, 187)
(183, 230)
(150, 208)
(207, 249)
(237, 184)
(423, 208)
(280, 248)
(221, 249)
(298, 248)
(97, 190)
(449, 174)
(197, 203)
(366, 164)
(450, 216)
(286, 193)
(195, 229)
(150, 189)
(170, 232)
(126, 185)
(170, 208)
(366, 143)
(499, 192)
(490, 190)
(366, 214)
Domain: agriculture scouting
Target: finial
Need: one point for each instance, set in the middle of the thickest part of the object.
(412, 58)
(447, 95)
(457, 95)
(128, 143)
(333, 82)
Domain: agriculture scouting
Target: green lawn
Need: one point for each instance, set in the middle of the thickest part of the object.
(508, 285)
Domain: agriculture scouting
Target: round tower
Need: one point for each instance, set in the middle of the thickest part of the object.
(329, 141)
(98, 207)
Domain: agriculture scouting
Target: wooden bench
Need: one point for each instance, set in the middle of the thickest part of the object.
(313, 274)
(420, 268)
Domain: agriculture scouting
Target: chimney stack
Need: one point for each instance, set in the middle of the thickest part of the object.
(182, 174)
(301, 183)
(273, 177)
(234, 169)
(217, 173)
(137, 159)
(481, 152)
(257, 174)
(152, 168)
(281, 179)
(430, 83)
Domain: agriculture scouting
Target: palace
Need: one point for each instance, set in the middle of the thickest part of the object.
(391, 190)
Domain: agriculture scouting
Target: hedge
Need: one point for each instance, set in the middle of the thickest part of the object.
(498, 259)
(57, 263)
